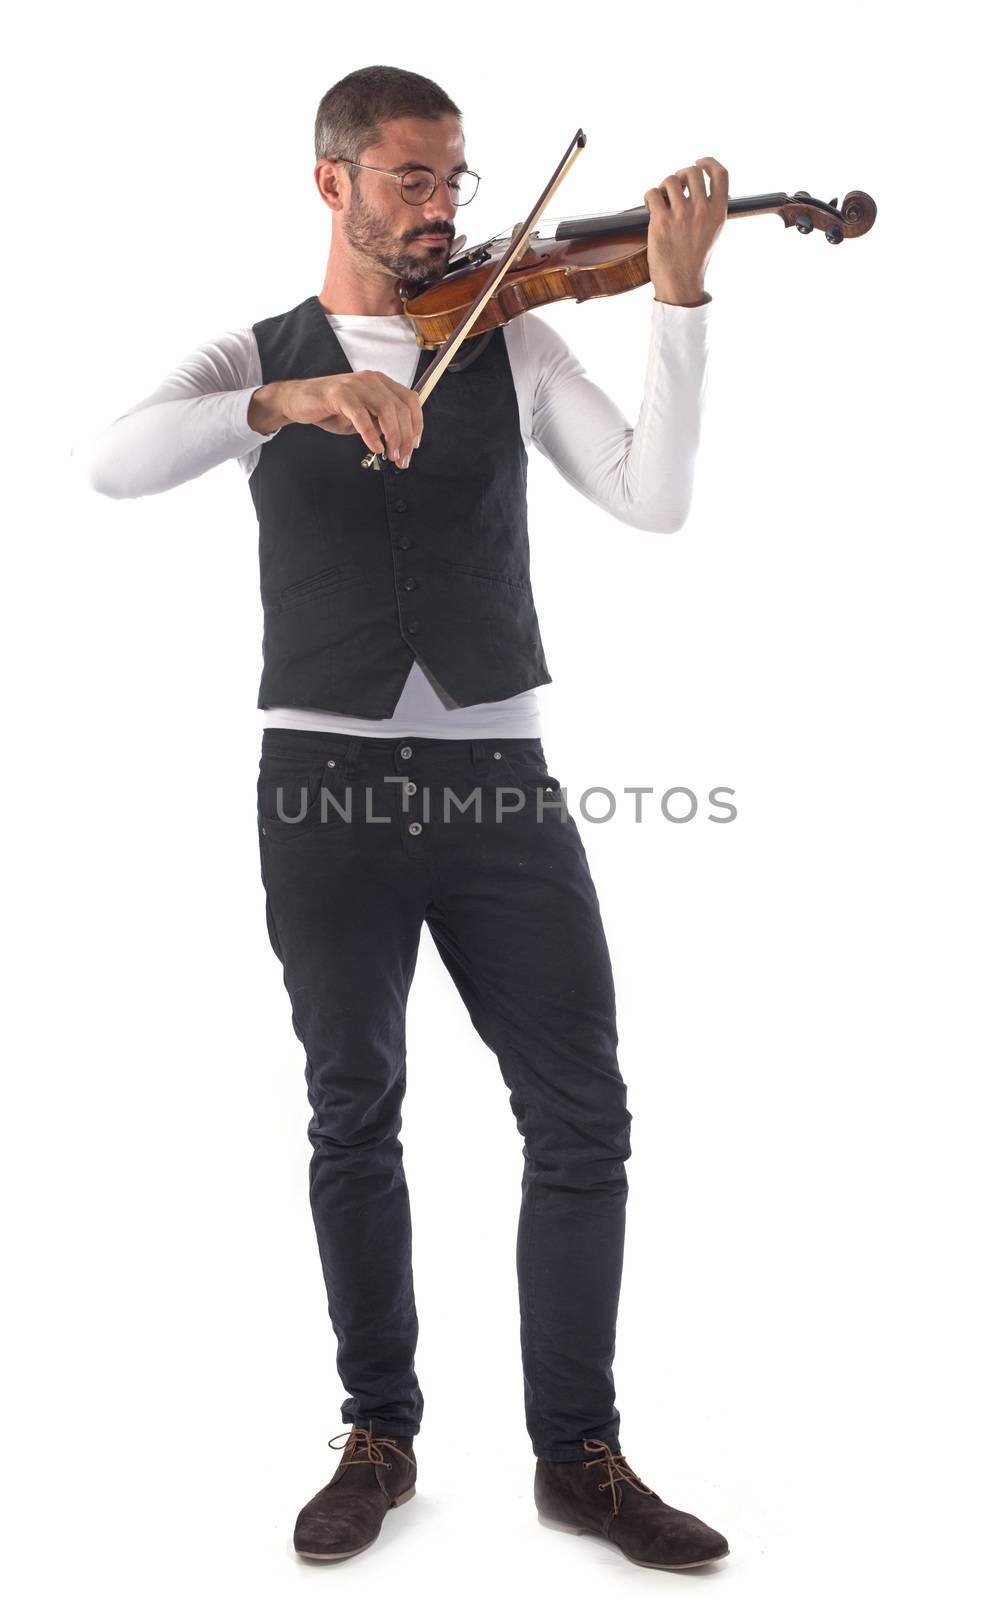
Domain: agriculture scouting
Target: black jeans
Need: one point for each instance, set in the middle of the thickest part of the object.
(511, 906)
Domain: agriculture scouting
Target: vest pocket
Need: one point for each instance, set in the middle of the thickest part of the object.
(320, 583)
(482, 572)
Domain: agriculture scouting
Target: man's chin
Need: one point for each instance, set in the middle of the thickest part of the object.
(417, 278)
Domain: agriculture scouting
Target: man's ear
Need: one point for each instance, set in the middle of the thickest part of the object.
(340, 182)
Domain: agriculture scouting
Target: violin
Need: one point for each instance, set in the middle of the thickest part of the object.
(590, 257)
(487, 286)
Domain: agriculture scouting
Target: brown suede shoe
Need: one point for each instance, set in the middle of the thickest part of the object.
(588, 1497)
(345, 1516)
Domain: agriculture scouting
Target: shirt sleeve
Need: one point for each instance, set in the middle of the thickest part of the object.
(195, 418)
(643, 475)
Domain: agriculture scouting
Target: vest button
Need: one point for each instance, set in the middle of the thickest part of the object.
(415, 827)
(410, 788)
(401, 505)
(410, 583)
(413, 627)
(405, 751)
(405, 544)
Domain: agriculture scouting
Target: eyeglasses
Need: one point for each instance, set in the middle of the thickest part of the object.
(418, 184)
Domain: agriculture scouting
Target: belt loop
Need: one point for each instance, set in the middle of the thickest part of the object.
(351, 751)
(479, 759)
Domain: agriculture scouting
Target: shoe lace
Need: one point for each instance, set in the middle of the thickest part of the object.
(618, 1470)
(358, 1438)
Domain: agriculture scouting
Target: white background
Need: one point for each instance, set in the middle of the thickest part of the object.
(807, 998)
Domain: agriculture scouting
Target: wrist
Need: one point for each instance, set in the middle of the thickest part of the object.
(675, 295)
(265, 414)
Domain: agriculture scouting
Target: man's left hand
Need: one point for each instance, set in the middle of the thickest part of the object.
(683, 228)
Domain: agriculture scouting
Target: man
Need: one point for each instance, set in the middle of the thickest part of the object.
(403, 781)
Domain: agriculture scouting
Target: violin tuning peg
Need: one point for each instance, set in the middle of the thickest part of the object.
(833, 202)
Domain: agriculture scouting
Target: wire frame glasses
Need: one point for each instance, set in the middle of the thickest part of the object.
(418, 184)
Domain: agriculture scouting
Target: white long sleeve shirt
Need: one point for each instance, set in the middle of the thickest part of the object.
(197, 417)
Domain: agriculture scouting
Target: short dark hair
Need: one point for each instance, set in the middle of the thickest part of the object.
(351, 113)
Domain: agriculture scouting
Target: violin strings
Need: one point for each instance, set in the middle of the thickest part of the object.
(544, 225)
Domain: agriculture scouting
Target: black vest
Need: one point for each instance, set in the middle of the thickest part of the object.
(363, 571)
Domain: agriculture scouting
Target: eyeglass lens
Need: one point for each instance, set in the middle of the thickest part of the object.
(418, 185)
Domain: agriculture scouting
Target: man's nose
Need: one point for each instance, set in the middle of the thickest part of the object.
(439, 207)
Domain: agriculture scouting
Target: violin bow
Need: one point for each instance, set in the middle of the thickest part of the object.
(518, 245)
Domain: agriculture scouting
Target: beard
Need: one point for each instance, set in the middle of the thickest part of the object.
(415, 265)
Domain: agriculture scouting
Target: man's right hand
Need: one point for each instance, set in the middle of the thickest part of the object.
(386, 415)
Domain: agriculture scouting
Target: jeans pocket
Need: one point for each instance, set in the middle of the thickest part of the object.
(291, 793)
(529, 771)
(544, 796)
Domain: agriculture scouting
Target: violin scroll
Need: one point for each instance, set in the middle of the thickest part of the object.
(856, 215)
